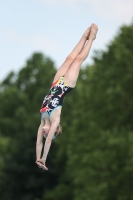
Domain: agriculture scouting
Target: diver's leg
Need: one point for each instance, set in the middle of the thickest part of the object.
(72, 74)
(71, 57)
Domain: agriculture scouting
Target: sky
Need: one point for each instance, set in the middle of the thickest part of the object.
(53, 27)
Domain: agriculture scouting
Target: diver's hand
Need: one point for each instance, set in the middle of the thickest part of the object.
(41, 164)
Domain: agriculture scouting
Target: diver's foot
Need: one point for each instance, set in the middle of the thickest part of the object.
(93, 31)
(87, 33)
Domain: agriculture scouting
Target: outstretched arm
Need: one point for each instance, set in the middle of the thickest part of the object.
(48, 141)
(39, 142)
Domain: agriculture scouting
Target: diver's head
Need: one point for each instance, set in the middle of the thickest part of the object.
(45, 130)
(58, 132)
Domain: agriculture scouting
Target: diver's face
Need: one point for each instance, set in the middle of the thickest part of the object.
(46, 135)
(45, 131)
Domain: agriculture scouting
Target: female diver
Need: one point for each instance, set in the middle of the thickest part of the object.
(64, 81)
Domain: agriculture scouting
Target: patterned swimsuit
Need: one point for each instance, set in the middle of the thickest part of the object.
(55, 96)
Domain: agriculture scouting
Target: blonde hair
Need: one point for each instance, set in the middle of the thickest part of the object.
(59, 129)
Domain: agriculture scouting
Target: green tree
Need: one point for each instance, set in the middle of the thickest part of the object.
(100, 146)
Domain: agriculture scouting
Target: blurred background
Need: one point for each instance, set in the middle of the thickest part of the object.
(93, 159)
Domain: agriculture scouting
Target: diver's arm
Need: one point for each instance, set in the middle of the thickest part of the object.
(39, 142)
(48, 140)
